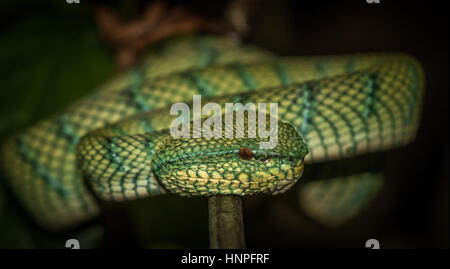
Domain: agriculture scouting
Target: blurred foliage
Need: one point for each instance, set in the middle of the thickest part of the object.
(49, 58)
(51, 55)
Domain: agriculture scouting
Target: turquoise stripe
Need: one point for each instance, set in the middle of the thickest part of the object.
(200, 83)
(280, 70)
(242, 72)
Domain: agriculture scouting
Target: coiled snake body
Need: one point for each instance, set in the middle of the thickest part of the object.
(117, 138)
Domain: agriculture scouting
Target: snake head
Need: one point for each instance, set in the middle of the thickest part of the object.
(210, 166)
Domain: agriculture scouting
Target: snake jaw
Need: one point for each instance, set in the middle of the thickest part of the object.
(286, 184)
(272, 177)
(283, 186)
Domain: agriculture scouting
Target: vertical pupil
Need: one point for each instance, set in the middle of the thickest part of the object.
(245, 153)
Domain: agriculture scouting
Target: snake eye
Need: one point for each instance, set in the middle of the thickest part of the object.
(245, 154)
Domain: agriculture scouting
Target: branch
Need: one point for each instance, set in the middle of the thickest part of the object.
(157, 22)
(226, 229)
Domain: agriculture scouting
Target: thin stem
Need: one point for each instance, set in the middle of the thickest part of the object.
(226, 229)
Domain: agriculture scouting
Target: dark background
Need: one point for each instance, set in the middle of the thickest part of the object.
(51, 54)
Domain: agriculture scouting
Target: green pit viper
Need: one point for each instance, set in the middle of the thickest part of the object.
(116, 139)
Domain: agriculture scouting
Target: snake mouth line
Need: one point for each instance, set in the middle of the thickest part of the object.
(190, 186)
(250, 162)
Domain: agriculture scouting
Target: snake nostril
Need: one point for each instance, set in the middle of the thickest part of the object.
(245, 153)
(266, 160)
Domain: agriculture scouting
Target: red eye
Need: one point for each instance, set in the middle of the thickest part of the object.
(245, 153)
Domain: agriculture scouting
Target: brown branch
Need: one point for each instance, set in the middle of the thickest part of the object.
(226, 229)
(156, 23)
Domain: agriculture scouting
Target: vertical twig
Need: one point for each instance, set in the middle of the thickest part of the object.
(226, 229)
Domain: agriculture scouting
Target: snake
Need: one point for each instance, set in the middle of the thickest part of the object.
(114, 144)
